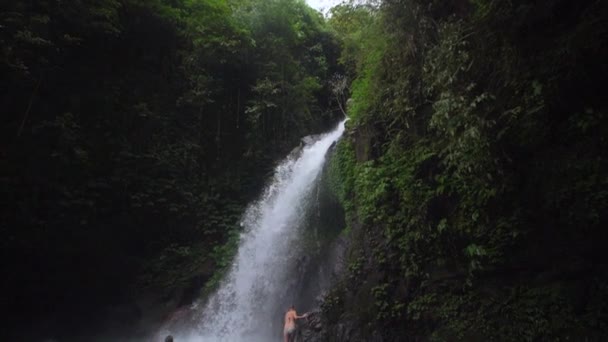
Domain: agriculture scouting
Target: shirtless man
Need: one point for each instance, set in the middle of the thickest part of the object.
(289, 331)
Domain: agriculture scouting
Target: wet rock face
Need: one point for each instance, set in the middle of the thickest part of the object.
(363, 139)
(313, 329)
(310, 139)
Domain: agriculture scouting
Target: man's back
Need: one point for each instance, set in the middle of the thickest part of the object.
(290, 325)
(290, 317)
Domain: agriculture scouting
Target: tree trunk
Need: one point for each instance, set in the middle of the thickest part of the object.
(29, 107)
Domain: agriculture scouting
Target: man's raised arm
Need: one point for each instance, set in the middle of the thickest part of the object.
(303, 316)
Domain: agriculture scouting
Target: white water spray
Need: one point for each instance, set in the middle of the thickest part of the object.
(249, 304)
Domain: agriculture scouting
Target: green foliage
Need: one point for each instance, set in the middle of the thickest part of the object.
(342, 174)
(353, 24)
(363, 47)
(222, 256)
(475, 168)
(136, 131)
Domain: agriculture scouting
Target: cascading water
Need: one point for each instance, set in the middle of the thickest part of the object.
(250, 302)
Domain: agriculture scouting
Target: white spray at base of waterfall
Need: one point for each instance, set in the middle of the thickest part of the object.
(250, 301)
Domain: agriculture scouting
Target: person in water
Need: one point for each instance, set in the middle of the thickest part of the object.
(289, 331)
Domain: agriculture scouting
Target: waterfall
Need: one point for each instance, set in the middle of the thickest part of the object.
(250, 302)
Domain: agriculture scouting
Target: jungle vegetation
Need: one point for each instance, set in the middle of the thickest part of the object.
(475, 173)
(133, 133)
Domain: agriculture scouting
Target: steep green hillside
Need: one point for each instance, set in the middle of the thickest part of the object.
(475, 172)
